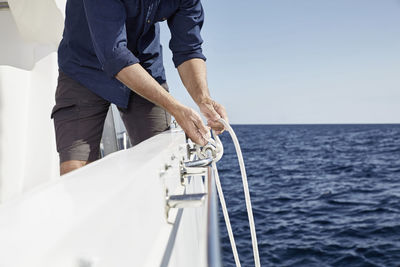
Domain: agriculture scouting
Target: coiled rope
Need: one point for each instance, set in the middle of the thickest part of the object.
(219, 148)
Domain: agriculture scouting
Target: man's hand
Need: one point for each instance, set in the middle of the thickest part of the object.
(213, 111)
(192, 124)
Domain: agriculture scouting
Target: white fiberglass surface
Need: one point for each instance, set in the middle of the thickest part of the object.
(19, 50)
(40, 21)
(28, 76)
(111, 212)
(28, 155)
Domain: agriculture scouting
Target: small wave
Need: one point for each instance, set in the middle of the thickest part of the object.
(325, 195)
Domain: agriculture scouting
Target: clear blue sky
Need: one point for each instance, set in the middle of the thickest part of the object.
(292, 61)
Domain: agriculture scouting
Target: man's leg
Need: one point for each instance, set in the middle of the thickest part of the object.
(143, 119)
(71, 165)
(79, 118)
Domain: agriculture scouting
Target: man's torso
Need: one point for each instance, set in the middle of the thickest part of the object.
(78, 59)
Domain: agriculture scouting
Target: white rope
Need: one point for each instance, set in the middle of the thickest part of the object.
(226, 215)
(246, 194)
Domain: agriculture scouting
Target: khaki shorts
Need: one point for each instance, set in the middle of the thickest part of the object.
(79, 116)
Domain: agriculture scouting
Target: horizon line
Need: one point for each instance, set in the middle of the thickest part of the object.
(289, 124)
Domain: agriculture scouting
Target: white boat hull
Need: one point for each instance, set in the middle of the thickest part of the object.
(109, 213)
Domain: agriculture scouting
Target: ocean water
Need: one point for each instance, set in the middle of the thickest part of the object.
(322, 195)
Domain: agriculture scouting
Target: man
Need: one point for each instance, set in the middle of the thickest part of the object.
(111, 52)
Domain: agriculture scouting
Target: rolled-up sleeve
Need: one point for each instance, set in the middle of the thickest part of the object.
(185, 26)
(106, 21)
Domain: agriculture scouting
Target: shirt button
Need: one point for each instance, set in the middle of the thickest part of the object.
(148, 21)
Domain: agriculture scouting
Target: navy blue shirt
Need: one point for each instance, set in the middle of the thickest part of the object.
(101, 37)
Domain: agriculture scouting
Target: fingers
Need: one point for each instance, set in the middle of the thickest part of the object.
(200, 134)
(194, 127)
(209, 112)
(204, 130)
(221, 111)
(195, 135)
(215, 116)
(192, 124)
(216, 125)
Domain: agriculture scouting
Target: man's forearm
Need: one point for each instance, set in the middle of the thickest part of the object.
(193, 74)
(139, 81)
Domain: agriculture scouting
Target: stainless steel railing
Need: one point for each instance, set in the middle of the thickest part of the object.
(213, 240)
(213, 244)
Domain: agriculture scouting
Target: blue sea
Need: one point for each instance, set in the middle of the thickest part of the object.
(322, 195)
